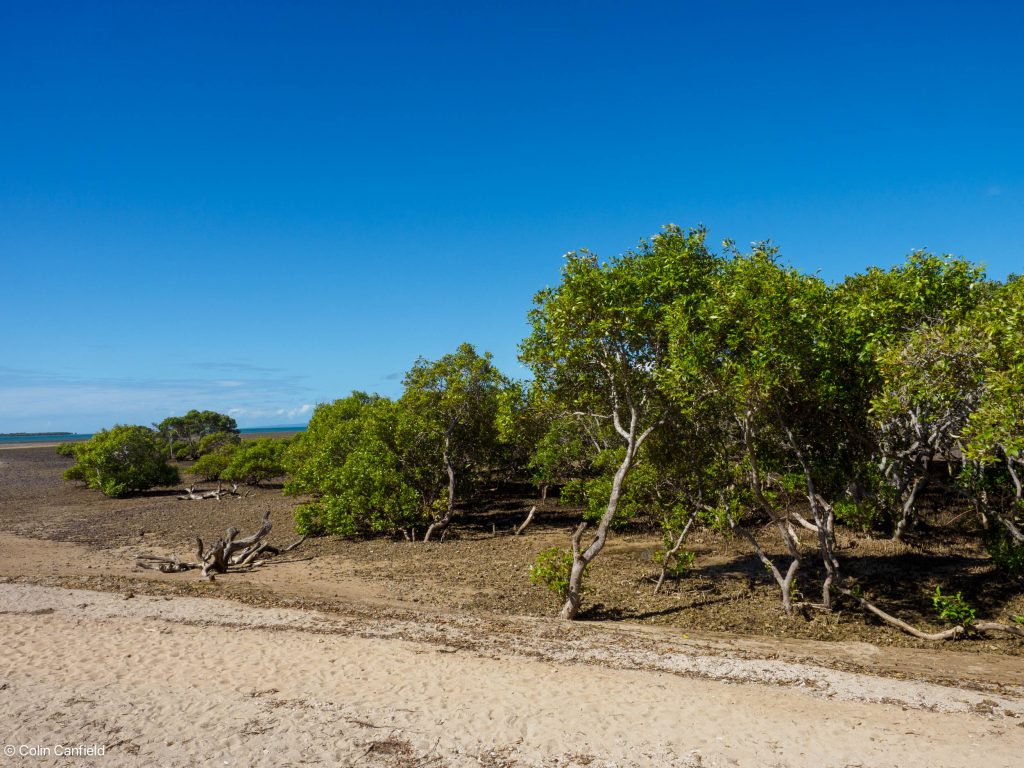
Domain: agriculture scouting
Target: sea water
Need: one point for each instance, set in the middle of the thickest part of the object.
(67, 437)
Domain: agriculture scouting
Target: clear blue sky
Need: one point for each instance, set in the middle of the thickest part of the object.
(255, 207)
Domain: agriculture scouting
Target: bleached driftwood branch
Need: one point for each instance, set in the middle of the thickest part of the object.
(225, 553)
(191, 494)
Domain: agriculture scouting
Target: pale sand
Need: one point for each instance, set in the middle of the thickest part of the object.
(190, 681)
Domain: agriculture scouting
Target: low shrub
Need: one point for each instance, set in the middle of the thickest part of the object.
(120, 461)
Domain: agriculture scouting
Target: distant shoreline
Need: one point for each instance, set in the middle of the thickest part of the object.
(50, 439)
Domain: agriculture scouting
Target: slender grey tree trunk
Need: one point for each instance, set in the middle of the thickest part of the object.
(526, 523)
(581, 559)
(1005, 519)
(824, 518)
(908, 511)
(441, 525)
(785, 581)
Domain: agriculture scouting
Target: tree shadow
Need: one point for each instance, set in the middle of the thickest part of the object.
(158, 493)
(904, 584)
(602, 612)
(505, 505)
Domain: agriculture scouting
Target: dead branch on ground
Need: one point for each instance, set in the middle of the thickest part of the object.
(191, 494)
(952, 633)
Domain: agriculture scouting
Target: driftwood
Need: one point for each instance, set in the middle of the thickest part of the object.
(191, 494)
(947, 634)
(225, 553)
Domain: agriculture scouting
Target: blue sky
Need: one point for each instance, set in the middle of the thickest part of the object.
(255, 207)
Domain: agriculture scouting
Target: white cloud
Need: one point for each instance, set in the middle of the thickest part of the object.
(294, 413)
(31, 400)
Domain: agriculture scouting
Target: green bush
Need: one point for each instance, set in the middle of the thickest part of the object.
(864, 516)
(309, 519)
(211, 466)
(66, 449)
(256, 461)
(120, 461)
(371, 497)
(370, 466)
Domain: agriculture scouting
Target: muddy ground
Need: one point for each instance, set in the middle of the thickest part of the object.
(482, 570)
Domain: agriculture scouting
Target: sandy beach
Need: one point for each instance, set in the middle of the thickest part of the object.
(174, 681)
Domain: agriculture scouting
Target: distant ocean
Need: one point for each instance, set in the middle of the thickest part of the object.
(67, 438)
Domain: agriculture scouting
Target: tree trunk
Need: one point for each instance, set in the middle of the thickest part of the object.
(526, 522)
(824, 519)
(785, 528)
(441, 525)
(747, 427)
(907, 512)
(786, 581)
(1007, 521)
(574, 593)
(580, 560)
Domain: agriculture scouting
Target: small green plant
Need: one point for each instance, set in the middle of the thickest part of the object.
(65, 449)
(1018, 620)
(677, 565)
(552, 568)
(309, 519)
(953, 608)
(794, 591)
